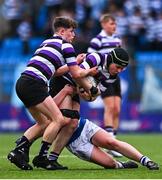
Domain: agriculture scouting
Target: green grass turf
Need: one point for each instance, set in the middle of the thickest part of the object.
(148, 144)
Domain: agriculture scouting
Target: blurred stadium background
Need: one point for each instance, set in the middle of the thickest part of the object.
(24, 24)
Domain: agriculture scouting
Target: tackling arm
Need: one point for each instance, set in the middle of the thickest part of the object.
(67, 90)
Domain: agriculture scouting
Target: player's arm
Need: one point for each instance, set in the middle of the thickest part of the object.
(71, 61)
(67, 90)
(64, 69)
(92, 60)
(77, 73)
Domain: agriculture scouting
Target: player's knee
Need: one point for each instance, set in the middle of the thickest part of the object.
(116, 110)
(43, 125)
(61, 120)
(112, 143)
(110, 109)
(73, 124)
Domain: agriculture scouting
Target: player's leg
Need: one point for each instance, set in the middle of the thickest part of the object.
(112, 101)
(64, 134)
(82, 147)
(34, 94)
(104, 140)
(111, 113)
(111, 118)
(100, 157)
(20, 155)
(52, 112)
(108, 114)
(116, 113)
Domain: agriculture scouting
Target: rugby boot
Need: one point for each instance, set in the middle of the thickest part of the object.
(18, 158)
(152, 165)
(129, 164)
(45, 163)
(58, 165)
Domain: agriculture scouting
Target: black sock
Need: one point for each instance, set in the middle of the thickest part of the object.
(23, 144)
(44, 148)
(53, 156)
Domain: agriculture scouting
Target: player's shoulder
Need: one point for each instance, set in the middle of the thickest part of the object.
(116, 36)
(96, 56)
(95, 53)
(97, 37)
(53, 39)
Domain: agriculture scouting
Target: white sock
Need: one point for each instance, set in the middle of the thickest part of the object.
(119, 165)
(144, 160)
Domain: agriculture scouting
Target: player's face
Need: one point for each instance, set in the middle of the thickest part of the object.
(115, 69)
(69, 34)
(109, 27)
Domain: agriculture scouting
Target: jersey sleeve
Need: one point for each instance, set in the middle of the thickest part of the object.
(91, 60)
(69, 54)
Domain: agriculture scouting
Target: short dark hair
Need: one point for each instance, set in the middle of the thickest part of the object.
(106, 17)
(65, 22)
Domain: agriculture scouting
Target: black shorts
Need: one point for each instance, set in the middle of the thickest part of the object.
(112, 89)
(31, 91)
(58, 83)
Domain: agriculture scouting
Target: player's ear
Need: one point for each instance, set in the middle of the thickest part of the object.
(62, 31)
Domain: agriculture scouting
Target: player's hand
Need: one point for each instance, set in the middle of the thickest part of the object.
(80, 58)
(83, 94)
(93, 71)
(70, 90)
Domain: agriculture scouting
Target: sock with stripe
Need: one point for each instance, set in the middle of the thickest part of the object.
(109, 129)
(144, 160)
(53, 156)
(44, 148)
(119, 165)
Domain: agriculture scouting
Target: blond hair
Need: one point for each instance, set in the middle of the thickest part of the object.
(106, 17)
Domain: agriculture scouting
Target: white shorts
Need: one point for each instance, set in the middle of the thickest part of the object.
(82, 146)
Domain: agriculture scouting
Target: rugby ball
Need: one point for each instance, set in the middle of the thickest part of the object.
(86, 96)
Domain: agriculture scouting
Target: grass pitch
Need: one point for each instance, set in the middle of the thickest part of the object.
(148, 144)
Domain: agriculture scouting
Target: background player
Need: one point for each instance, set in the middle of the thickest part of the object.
(104, 42)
